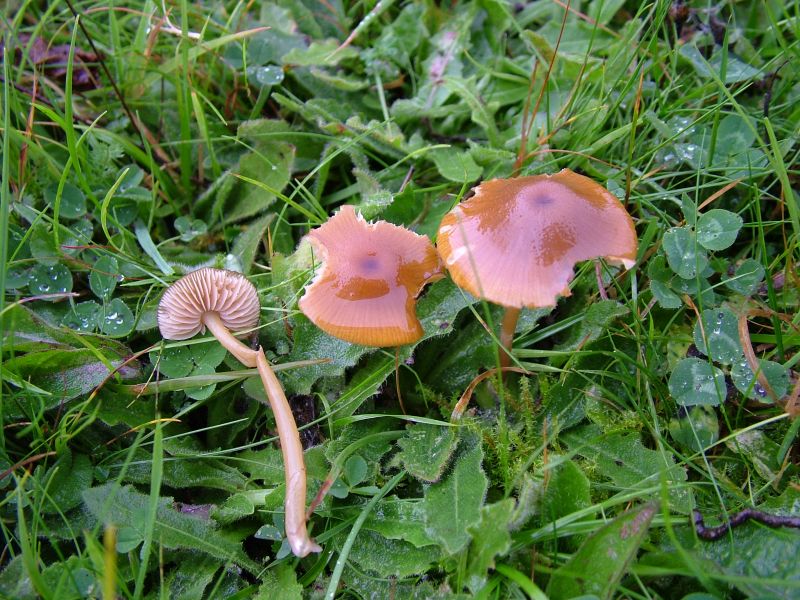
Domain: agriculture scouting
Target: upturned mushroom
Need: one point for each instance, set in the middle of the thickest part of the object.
(219, 301)
(366, 290)
(516, 241)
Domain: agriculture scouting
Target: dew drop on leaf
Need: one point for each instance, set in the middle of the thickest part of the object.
(117, 319)
(747, 383)
(50, 279)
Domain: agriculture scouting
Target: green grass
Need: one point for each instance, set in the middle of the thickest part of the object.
(148, 469)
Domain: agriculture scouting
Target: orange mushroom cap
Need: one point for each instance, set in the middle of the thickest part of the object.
(230, 294)
(516, 241)
(366, 291)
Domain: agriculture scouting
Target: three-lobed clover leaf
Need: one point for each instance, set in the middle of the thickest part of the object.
(716, 334)
(746, 382)
(697, 382)
(684, 255)
(717, 229)
(72, 202)
(104, 276)
(747, 277)
(50, 279)
(190, 228)
(116, 318)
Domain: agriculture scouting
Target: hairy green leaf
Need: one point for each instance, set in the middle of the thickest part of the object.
(567, 491)
(453, 504)
(391, 557)
(15, 581)
(601, 561)
(456, 166)
(279, 583)
(490, 538)
(624, 459)
(311, 343)
(67, 479)
(595, 322)
(399, 519)
(192, 577)
(124, 506)
(762, 560)
(66, 374)
(187, 472)
(426, 450)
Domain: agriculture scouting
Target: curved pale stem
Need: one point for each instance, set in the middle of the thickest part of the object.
(243, 353)
(510, 318)
(293, 464)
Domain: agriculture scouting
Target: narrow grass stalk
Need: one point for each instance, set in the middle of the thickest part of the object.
(69, 129)
(522, 580)
(184, 87)
(110, 563)
(200, 118)
(778, 164)
(27, 543)
(5, 203)
(330, 593)
(156, 475)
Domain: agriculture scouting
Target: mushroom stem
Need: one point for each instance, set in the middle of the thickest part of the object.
(598, 272)
(293, 465)
(510, 318)
(245, 355)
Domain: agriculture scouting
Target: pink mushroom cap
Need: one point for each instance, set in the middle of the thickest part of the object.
(516, 241)
(230, 294)
(365, 292)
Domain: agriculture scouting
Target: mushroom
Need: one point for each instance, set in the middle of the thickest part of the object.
(366, 290)
(372, 273)
(215, 299)
(220, 301)
(516, 241)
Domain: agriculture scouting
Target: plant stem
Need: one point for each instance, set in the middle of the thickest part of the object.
(510, 318)
(293, 465)
(245, 355)
(336, 576)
